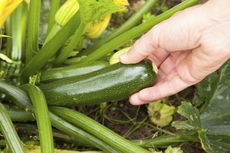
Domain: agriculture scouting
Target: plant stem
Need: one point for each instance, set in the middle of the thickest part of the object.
(166, 140)
(17, 95)
(80, 135)
(20, 116)
(130, 23)
(74, 41)
(9, 132)
(98, 130)
(42, 118)
(54, 6)
(135, 32)
(76, 135)
(16, 27)
(33, 28)
(50, 48)
(160, 141)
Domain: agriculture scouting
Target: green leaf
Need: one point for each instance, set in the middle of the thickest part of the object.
(191, 114)
(205, 89)
(216, 116)
(213, 123)
(93, 10)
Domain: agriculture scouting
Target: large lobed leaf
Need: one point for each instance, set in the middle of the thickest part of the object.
(213, 123)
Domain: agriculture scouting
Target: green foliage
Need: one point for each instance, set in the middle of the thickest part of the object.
(93, 10)
(213, 123)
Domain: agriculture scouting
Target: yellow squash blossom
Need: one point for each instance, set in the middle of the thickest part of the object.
(94, 30)
(6, 8)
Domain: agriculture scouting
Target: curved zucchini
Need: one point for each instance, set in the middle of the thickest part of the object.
(112, 83)
(71, 71)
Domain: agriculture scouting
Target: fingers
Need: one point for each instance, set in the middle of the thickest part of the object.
(180, 32)
(186, 69)
(140, 50)
(160, 90)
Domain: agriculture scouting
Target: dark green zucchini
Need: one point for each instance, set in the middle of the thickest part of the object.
(71, 71)
(112, 83)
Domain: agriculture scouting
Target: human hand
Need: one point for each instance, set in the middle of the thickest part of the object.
(186, 48)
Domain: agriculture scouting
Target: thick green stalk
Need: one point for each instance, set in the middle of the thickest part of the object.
(98, 130)
(20, 116)
(74, 41)
(135, 32)
(130, 23)
(32, 29)
(54, 6)
(53, 31)
(166, 140)
(15, 94)
(42, 118)
(23, 101)
(79, 134)
(160, 141)
(37, 149)
(50, 48)
(9, 132)
(16, 27)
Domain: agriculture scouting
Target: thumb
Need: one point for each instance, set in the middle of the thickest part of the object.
(178, 33)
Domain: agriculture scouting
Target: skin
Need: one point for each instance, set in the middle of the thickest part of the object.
(186, 48)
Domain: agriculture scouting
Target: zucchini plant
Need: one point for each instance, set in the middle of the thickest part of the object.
(60, 73)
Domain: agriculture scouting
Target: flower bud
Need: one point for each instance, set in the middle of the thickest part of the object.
(115, 58)
(66, 12)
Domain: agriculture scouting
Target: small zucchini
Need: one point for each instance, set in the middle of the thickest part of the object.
(71, 71)
(115, 82)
